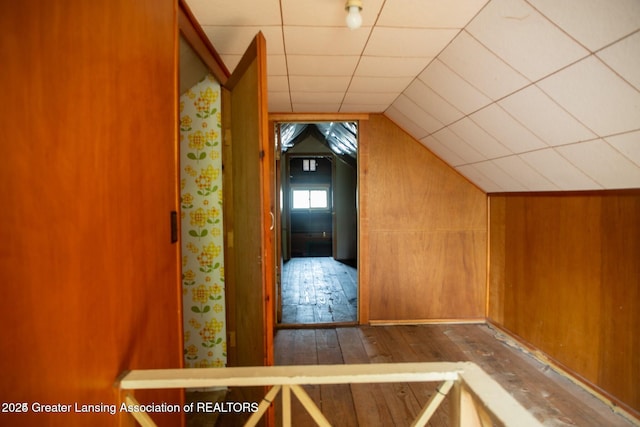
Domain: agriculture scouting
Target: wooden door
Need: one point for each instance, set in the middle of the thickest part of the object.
(249, 177)
(89, 275)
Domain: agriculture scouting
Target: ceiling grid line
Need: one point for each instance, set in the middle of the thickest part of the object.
(286, 61)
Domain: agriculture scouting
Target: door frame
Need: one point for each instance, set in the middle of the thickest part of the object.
(362, 316)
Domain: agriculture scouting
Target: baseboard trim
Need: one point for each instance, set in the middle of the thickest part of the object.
(427, 322)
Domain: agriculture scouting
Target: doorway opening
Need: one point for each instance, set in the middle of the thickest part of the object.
(317, 223)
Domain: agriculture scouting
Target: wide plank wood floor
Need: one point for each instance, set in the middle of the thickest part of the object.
(549, 396)
(318, 290)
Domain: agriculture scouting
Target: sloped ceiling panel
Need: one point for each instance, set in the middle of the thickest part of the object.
(536, 95)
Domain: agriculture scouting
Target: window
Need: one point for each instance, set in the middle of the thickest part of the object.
(310, 198)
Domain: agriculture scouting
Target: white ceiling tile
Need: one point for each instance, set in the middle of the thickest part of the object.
(315, 107)
(416, 114)
(314, 65)
(524, 39)
(431, 102)
(480, 67)
(479, 139)
(370, 11)
(529, 177)
(492, 171)
(279, 102)
(628, 144)
(318, 83)
(316, 97)
(236, 13)
(236, 40)
(624, 58)
(542, 116)
(325, 13)
(593, 23)
(324, 41)
(231, 61)
(442, 151)
(603, 164)
(384, 66)
(362, 108)
(277, 83)
(408, 42)
(453, 88)
(506, 45)
(277, 65)
(370, 98)
(596, 96)
(404, 122)
(558, 170)
(379, 84)
(460, 147)
(477, 177)
(429, 13)
(515, 137)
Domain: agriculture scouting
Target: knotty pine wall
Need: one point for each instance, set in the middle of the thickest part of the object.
(88, 177)
(423, 242)
(565, 279)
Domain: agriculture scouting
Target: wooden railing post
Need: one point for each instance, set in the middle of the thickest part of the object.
(454, 404)
(286, 406)
(468, 414)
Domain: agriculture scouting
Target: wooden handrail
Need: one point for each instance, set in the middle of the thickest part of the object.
(477, 399)
(288, 375)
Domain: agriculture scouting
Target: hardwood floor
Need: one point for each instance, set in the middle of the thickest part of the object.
(318, 290)
(549, 396)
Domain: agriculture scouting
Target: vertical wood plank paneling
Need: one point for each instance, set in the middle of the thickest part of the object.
(569, 284)
(496, 283)
(423, 228)
(561, 317)
(364, 273)
(619, 329)
(88, 173)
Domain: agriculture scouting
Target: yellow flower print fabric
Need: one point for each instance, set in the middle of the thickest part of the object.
(201, 207)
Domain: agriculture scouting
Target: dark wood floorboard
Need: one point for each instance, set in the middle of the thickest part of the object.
(549, 396)
(318, 290)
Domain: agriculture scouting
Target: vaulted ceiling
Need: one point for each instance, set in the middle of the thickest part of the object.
(535, 95)
(340, 137)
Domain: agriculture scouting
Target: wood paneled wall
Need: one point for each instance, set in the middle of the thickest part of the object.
(565, 278)
(423, 232)
(88, 177)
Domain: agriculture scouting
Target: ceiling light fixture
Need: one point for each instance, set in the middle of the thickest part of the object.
(354, 19)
